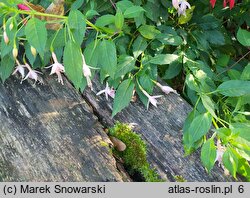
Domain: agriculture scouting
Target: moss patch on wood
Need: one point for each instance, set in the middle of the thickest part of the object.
(135, 154)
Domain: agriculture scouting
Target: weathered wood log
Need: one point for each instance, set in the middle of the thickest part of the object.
(161, 129)
(49, 133)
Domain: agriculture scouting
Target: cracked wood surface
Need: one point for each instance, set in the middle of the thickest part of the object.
(161, 129)
(49, 133)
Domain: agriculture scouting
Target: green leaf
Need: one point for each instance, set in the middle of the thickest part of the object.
(77, 4)
(208, 22)
(199, 127)
(108, 57)
(234, 88)
(6, 67)
(123, 96)
(169, 39)
(105, 20)
(244, 168)
(223, 60)
(209, 105)
(124, 5)
(125, 65)
(72, 60)
(119, 19)
(243, 37)
(148, 31)
(246, 73)
(36, 34)
(173, 70)
(77, 25)
(186, 18)
(215, 37)
(164, 59)
(191, 83)
(133, 11)
(208, 154)
(230, 161)
(139, 45)
(91, 53)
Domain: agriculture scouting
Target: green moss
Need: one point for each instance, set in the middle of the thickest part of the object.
(179, 178)
(135, 155)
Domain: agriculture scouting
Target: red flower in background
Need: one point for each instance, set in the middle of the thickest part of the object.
(212, 3)
(225, 2)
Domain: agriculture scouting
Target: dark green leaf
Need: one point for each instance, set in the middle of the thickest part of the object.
(133, 11)
(105, 20)
(6, 67)
(36, 34)
(173, 70)
(77, 25)
(199, 127)
(230, 161)
(91, 53)
(119, 20)
(123, 96)
(169, 39)
(234, 88)
(243, 37)
(148, 31)
(139, 45)
(208, 154)
(108, 57)
(209, 105)
(125, 65)
(246, 73)
(72, 60)
(164, 59)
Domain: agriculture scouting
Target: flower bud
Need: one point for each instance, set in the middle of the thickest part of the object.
(33, 51)
(11, 26)
(15, 52)
(5, 37)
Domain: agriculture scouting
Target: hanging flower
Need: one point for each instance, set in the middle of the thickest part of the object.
(108, 92)
(20, 69)
(33, 74)
(86, 72)
(57, 68)
(181, 6)
(166, 89)
(151, 99)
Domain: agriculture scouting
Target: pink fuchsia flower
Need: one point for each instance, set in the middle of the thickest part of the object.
(166, 89)
(57, 68)
(20, 69)
(86, 72)
(182, 7)
(151, 99)
(23, 7)
(33, 74)
(108, 92)
(175, 4)
(219, 154)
